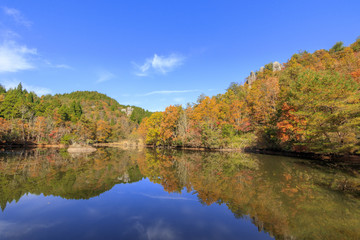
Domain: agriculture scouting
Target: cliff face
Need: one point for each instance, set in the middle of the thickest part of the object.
(251, 78)
(128, 111)
(275, 66)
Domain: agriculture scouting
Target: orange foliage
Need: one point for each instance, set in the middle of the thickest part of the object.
(168, 124)
(206, 111)
(262, 99)
(289, 125)
(356, 75)
(103, 130)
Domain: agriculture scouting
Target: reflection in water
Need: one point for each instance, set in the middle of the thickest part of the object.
(288, 198)
(282, 196)
(59, 174)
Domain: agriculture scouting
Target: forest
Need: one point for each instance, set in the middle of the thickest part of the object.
(311, 103)
(82, 117)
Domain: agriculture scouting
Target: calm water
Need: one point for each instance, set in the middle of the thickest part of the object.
(117, 194)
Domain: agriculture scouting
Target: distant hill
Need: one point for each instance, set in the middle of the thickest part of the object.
(95, 105)
(81, 116)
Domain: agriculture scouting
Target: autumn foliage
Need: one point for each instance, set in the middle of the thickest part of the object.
(312, 104)
(82, 117)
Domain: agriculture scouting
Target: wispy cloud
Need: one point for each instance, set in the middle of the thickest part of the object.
(104, 76)
(168, 197)
(8, 34)
(63, 66)
(169, 92)
(14, 83)
(18, 230)
(159, 64)
(17, 16)
(14, 57)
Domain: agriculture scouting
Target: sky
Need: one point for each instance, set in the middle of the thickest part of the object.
(157, 53)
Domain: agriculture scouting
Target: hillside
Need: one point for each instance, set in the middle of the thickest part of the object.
(80, 116)
(311, 103)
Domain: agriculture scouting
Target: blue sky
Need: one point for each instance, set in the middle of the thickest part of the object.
(158, 53)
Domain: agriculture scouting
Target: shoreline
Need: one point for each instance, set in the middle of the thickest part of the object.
(345, 158)
(336, 158)
(31, 146)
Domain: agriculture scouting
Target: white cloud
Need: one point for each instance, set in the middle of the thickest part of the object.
(159, 64)
(14, 57)
(104, 76)
(14, 83)
(166, 64)
(156, 230)
(17, 16)
(160, 230)
(50, 64)
(64, 66)
(169, 92)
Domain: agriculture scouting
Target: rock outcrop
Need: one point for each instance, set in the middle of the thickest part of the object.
(251, 78)
(276, 66)
(128, 111)
(124, 178)
(77, 148)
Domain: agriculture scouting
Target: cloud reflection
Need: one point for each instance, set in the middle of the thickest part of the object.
(167, 197)
(11, 229)
(158, 230)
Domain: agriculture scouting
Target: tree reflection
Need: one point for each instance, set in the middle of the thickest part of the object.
(57, 173)
(289, 198)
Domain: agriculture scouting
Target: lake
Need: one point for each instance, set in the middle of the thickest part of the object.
(168, 194)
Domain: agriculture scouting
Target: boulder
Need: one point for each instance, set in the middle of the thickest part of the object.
(277, 66)
(251, 78)
(77, 148)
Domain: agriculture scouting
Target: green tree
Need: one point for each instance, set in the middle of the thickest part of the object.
(64, 113)
(328, 106)
(2, 89)
(339, 46)
(356, 45)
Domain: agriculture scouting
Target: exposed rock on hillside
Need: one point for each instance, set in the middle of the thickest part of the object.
(251, 78)
(276, 66)
(128, 111)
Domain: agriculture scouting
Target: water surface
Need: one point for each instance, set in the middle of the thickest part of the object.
(117, 194)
